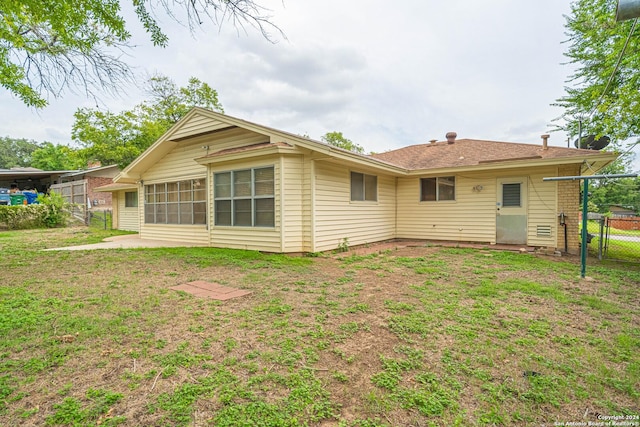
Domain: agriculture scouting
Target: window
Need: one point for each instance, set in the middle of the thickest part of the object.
(364, 187)
(511, 195)
(178, 202)
(245, 198)
(438, 189)
(131, 199)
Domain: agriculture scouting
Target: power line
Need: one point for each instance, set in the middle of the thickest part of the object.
(615, 70)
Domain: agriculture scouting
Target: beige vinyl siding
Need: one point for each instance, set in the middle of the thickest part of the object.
(292, 199)
(253, 238)
(179, 164)
(198, 124)
(188, 234)
(128, 218)
(542, 207)
(472, 216)
(337, 217)
(308, 205)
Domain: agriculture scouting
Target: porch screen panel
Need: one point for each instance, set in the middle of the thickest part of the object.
(176, 203)
(149, 200)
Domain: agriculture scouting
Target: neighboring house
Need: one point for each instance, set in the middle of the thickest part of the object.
(29, 178)
(220, 181)
(621, 212)
(79, 186)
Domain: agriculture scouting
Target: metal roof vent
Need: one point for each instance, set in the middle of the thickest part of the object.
(451, 137)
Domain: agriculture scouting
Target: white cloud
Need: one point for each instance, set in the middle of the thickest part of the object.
(385, 74)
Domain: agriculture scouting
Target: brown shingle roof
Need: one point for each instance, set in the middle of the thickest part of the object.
(471, 152)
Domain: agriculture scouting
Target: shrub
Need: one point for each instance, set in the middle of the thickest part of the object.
(56, 214)
(21, 217)
(50, 212)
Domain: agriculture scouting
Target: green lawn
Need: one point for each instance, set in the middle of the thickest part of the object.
(420, 336)
(618, 250)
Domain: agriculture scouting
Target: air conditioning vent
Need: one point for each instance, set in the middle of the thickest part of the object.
(543, 231)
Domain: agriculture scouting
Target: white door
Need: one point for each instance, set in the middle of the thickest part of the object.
(511, 211)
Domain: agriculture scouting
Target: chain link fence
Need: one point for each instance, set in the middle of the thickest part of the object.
(614, 238)
(102, 219)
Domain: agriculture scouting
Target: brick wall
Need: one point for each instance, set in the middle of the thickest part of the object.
(104, 199)
(569, 203)
(631, 223)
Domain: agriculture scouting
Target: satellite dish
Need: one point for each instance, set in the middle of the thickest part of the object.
(600, 143)
(627, 9)
(590, 142)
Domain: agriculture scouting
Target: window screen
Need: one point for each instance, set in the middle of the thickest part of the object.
(364, 187)
(511, 195)
(437, 189)
(245, 198)
(131, 199)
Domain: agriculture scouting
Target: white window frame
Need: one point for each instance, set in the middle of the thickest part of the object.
(233, 199)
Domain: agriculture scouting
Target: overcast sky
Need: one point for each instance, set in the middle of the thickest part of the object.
(386, 74)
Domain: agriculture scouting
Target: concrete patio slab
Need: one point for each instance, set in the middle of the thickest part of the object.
(127, 241)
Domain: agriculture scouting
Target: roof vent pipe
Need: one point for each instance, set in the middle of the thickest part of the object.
(451, 137)
(433, 141)
(545, 145)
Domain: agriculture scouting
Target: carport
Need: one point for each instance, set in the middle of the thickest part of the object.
(30, 178)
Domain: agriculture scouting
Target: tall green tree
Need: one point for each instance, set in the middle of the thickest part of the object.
(118, 138)
(606, 101)
(337, 139)
(622, 192)
(53, 157)
(16, 152)
(49, 46)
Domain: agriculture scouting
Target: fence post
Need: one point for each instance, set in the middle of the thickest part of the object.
(601, 220)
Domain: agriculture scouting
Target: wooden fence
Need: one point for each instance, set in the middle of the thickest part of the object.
(75, 193)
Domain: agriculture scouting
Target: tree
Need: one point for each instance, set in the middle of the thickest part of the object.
(16, 152)
(118, 138)
(607, 101)
(623, 192)
(170, 103)
(338, 140)
(51, 157)
(49, 46)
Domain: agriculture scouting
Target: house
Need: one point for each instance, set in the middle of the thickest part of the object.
(79, 186)
(618, 211)
(220, 181)
(29, 178)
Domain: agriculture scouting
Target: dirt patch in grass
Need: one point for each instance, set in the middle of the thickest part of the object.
(407, 336)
